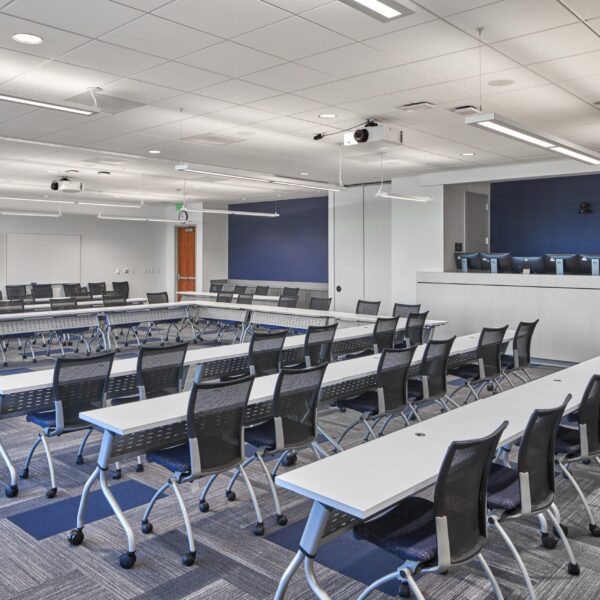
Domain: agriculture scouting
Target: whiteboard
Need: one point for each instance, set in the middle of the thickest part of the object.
(42, 258)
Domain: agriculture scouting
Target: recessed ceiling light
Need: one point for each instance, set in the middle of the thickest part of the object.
(500, 82)
(327, 116)
(383, 10)
(52, 171)
(467, 154)
(304, 173)
(154, 151)
(28, 38)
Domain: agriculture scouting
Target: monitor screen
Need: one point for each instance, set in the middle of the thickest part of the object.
(503, 259)
(570, 263)
(535, 264)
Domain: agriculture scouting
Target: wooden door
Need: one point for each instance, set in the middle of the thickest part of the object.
(186, 259)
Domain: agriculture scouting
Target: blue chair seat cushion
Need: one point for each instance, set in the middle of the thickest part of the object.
(468, 372)
(176, 459)
(567, 441)
(124, 400)
(415, 389)
(507, 361)
(503, 488)
(407, 530)
(43, 419)
(365, 403)
(261, 436)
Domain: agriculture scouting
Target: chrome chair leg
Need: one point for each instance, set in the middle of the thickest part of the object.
(490, 575)
(259, 528)
(25, 471)
(592, 521)
(51, 492)
(146, 527)
(573, 568)
(279, 516)
(237, 473)
(189, 558)
(86, 436)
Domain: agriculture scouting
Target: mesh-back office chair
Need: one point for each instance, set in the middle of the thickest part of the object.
(159, 372)
(488, 369)
(71, 289)
(317, 303)
(289, 292)
(16, 292)
(292, 427)
(384, 333)
(318, 343)
(404, 310)
(10, 307)
(97, 289)
(262, 290)
(288, 301)
(264, 352)
(63, 303)
(245, 298)
(157, 297)
(414, 329)
(41, 291)
(62, 337)
(367, 307)
(581, 445)
(177, 324)
(518, 362)
(79, 384)
(216, 288)
(239, 289)
(433, 537)
(122, 287)
(113, 299)
(388, 399)
(215, 423)
(224, 296)
(431, 383)
(528, 490)
(83, 296)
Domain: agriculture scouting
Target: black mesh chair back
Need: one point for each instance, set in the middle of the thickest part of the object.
(589, 415)
(318, 343)
(79, 384)
(489, 350)
(415, 325)
(15, 292)
(12, 306)
(224, 296)
(262, 290)
(122, 287)
(109, 299)
(295, 403)
(97, 289)
(83, 296)
(160, 369)
(287, 301)
(536, 455)
(264, 354)
(460, 496)
(289, 292)
(157, 297)
(216, 287)
(319, 303)
(392, 378)
(522, 344)
(366, 307)
(245, 298)
(63, 303)
(404, 310)
(434, 366)
(41, 290)
(384, 333)
(71, 289)
(239, 289)
(215, 421)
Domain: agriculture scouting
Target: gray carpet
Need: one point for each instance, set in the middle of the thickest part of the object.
(231, 561)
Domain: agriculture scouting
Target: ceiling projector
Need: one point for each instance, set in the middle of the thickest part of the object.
(373, 133)
(65, 184)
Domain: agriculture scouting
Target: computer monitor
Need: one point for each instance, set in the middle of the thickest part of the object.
(589, 264)
(561, 264)
(468, 261)
(535, 264)
(497, 262)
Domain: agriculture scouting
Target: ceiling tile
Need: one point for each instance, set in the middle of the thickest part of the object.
(572, 67)
(160, 37)
(347, 61)
(357, 25)
(231, 59)
(511, 79)
(284, 124)
(513, 18)
(338, 92)
(179, 77)
(13, 64)
(586, 9)
(293, 38)
(444, 8)
(40, 122)
(343, 116)
(299, 6)
(286, 104)
(139, 91)
(194, 104)
(111, 58)
(408, 44)
(238, 92)
(242, 115)
(225, 18)
(289, 77)
(587, 88)
(396, 79)
(86, 18)
(145, 5)
(10, 110)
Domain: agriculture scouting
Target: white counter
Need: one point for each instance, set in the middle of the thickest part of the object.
(568, 307)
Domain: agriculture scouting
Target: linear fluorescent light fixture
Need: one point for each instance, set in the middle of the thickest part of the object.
(490, 122)
(382, 10)
(381, 194)
(37, 200)
(188, 169)
(108, 204)
(143, 219)
(15, 213)
(69, 109)
(241, 213)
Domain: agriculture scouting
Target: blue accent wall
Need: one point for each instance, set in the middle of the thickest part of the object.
(292, 247)
(538, 216)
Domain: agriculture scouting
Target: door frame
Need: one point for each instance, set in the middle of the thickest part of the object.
(193, 226)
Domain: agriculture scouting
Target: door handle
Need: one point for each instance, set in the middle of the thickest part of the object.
(338, 288)
(179, 277)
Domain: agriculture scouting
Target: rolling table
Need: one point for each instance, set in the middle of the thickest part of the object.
(211, 296)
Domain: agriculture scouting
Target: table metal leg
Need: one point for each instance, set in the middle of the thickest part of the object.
(13, 489)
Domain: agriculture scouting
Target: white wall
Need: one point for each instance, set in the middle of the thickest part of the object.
(214, 243)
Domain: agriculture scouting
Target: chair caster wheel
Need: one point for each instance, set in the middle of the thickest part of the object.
(587, 461)
(139, 468)
(290, 460)
(282, 520)
(230, 496)
(595, 530)
(24, 474)
(75, 537)
(5, 364)
(34, 360)
(188, 559)
(127, 560)
(404, 591)
(203, 506)
(51, 493)
(564, 528)
(178, 339)
(259, 529)
(79, 460)
(10, 491)
(147, 527)
(573, 569)
(549, 541)
(117, 474)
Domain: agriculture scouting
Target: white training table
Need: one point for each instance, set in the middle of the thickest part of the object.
(211, 296)
(44, 303)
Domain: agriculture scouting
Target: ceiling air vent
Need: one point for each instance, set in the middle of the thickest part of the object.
(466, 110)
(416, 106)
(214, 139)
(106, 104)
